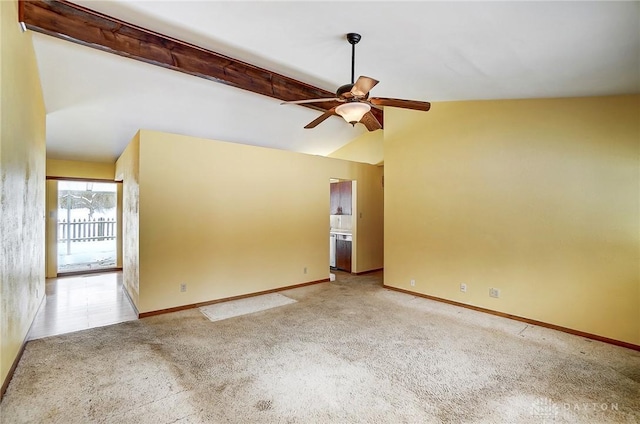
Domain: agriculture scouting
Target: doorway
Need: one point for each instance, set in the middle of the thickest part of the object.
(87, 226)
(341, 224)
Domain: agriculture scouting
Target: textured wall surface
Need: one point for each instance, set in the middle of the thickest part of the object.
(127, 170)
(538, 198)
(22, 186)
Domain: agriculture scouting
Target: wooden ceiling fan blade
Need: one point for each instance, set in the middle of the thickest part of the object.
(321, 118)
(405, 104)
(363, 86)
(370, 121)
(299, 102)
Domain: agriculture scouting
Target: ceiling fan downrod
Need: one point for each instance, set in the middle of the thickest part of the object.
(353, 39)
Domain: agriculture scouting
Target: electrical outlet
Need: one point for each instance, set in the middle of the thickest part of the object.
(183, 287)
(413, 283)
(463, 287)
(305, 269)
(494, 292)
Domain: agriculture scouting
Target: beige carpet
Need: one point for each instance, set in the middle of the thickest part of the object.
(347, 351)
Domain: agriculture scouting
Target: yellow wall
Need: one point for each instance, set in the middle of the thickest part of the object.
(229, 219)
(119, 226)
(368, 218)
(127, 171)
(368, 148)
(78, 169)
(539, 198)
(22, 171)
(51, 254)
(72, 169)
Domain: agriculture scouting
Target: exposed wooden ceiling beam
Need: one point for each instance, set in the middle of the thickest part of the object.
(84, 26)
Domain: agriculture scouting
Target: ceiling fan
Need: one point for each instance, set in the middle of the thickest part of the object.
(356, 103)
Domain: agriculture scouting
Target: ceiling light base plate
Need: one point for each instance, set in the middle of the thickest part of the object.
(353, 38)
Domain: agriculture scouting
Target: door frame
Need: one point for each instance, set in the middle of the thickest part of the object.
(51, 226)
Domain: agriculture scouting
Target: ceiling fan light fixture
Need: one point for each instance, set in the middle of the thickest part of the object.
(353, 112)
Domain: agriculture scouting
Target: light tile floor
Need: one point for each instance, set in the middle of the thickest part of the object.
(80, 302)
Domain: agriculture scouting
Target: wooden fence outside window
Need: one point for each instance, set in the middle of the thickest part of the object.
(82, 230)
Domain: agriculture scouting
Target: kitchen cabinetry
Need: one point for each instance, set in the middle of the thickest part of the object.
(341, 198)
(343, 254)
(335, 199)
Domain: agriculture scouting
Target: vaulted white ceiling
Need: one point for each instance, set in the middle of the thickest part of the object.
(434, 51)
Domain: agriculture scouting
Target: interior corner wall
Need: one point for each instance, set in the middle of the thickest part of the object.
(538, 198)
(22, 190)
(228, 219)
(127, 170)
(368, 148)
(369, 220)
(119, 226)
(51, 251)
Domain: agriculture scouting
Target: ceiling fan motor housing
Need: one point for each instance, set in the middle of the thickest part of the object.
(344, 92)
(344, 89)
